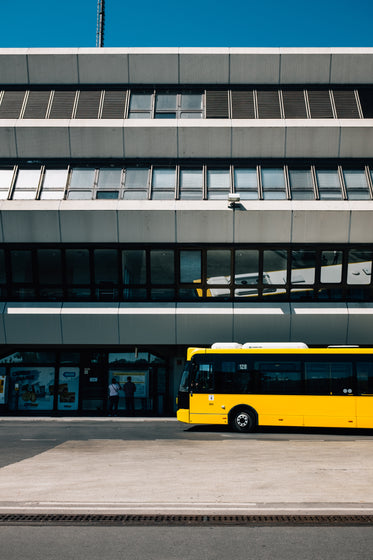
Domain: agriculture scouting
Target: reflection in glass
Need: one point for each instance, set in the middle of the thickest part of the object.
(359, 269)
(303, 267)
(190, 266)
(275, 267)
(134, 266)
(106, 266)
(162, 267)
(331, 267)
(246, 274)
(218, 267)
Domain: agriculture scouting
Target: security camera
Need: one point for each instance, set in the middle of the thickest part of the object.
(233, 199)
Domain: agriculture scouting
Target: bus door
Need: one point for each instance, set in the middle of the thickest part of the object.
(364, 402)
(323, 380)
(205, 405)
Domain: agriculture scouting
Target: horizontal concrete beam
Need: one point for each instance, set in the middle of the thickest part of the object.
(207, 221)
(187, 66)
(184, 324)
(186, 138)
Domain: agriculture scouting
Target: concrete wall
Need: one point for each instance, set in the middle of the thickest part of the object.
(187, 66)
(184, 324)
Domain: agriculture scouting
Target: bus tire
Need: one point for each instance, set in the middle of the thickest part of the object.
(243, 419)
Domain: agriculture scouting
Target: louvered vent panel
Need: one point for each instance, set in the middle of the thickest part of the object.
(320, 105)
(11, 104)
(268, 105)
(217, 105)
(294, 104)
(243, 105)
(88, 105)
(37, 105)
(114, 104)
(345, 103)
(366, 102)
(62, 105)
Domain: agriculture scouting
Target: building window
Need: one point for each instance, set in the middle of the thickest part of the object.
(273, 183)
(329, 184)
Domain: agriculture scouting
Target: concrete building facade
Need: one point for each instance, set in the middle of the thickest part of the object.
(155, 199)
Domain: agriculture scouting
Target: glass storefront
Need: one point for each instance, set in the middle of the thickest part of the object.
(76, 382)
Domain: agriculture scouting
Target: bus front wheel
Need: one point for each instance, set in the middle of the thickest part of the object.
(243, 420)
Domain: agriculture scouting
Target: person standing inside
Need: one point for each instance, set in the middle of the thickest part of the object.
(129, 391)
(114, 389)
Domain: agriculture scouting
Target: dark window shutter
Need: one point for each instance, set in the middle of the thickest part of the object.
(11, 104)
(320, 105)
(37, 105)
(114, 105)
(88, 105)
(268, 105)
(294, 104)
(366, 102)
(243, 105)
(217, 105)
(345, 104)
(62, 105)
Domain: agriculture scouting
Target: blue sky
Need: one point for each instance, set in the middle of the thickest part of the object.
(192, 23)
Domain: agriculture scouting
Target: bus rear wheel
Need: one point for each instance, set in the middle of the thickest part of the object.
(243, 420)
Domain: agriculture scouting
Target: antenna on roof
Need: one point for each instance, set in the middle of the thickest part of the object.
(100, 23)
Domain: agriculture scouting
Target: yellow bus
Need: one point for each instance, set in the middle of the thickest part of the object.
(267, 384)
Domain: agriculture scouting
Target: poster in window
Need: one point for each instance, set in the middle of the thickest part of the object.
(31, 388)
(68, 388)
(2, 386)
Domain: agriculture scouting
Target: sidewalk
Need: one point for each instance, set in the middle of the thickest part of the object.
(191, 474)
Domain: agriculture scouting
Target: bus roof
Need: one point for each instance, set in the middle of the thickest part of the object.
(283, 351)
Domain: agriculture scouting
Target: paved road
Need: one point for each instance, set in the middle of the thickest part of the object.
(196, 543)
(116, 465)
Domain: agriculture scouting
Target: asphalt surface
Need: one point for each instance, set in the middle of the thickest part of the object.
(118, 465)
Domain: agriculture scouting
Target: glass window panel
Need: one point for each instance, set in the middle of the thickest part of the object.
(274, 195)
(162, 267)
(49, 266)
(359, 270)
(165, 101)
(190, 195)
(135, 195)
(5, 178)
(164, 178)
(317, 377)
(24, 195)
(191, 101)
(278, 378)
(245, 179)
(79, 195)
(190, 266)
(55, 179)
(135, 294)
(302, 195)
(162, 294)
(77, 266)
(51, 195)
(188, 294)
(141, 101)
(187, 115)
(27, 179)
(191, 178)
(109, 178)
(331, 267)
(329, 185)
(301, 184)
(365, 378)
(218, 178)
(82, 178)
(136, 177)
(134, 266)
(303, 267)
(3, 195)
(2, 267)
(275, 267)
(78, 293)
(356, 184)
(107, 195)
(106, 266)
(165, 115)
(218, 266)
(273, 179)
(142, 115)
(246, 272)
(163, 195)
(21, 266)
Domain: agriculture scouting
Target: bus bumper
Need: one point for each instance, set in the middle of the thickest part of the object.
(183, 415)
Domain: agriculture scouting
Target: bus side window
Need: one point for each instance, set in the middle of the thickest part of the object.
(364, 378)
(204, 379)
